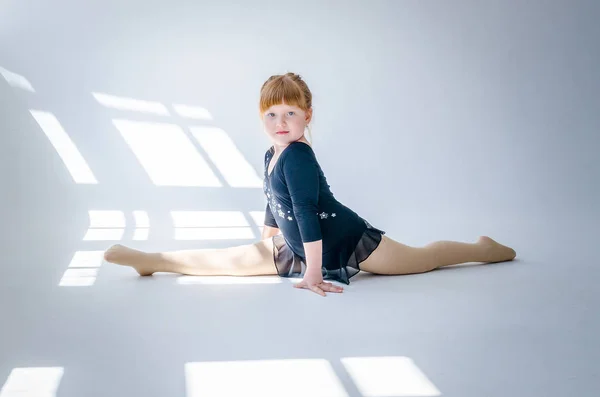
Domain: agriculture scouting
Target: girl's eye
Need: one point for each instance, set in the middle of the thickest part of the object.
(269, 114)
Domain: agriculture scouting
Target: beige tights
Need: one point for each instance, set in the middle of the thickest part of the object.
(390, 257)
(244, 260)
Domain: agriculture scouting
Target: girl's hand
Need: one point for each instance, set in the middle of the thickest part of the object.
(313, 280)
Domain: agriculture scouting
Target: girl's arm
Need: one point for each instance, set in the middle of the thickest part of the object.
(314, 255)
(301, 172)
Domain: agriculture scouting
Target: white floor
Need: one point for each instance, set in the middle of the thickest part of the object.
(524, 328)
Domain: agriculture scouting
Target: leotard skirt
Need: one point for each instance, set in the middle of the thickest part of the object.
(339, 264)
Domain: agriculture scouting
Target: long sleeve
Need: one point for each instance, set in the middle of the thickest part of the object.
(269, 218)
(301, 172)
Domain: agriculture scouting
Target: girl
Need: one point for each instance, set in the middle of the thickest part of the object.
(307, 232)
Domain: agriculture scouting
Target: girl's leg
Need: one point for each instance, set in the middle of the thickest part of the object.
(244, 260)
(392, 257)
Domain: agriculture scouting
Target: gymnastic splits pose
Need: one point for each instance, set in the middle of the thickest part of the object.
(307, 233)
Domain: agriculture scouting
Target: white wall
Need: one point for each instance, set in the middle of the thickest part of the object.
(432, 119)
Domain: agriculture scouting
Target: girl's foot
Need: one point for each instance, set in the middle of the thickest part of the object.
(122, 255)
(496, 252)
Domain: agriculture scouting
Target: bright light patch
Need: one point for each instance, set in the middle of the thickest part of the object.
(192, 112)
(105, 226)
(230, 233)
(107, 219)
(64, 146)
(264, 378)
(141, 219)
(16, 80)
(104, 235)
(32, 382)
(79, 278)
(141, 234)
(388, 377)
(208, 219)
(142, 224)
(86, 259)
(131, 104)
(230, 162)
(167, 154)
(258, 217)
(83, 269)
(211, 225)
(194, 280)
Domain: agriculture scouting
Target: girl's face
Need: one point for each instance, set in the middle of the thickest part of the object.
(285, 124)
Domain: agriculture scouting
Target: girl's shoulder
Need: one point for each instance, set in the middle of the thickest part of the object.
(298, 147)
(298, 153)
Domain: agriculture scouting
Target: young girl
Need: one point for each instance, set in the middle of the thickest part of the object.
(307, 232)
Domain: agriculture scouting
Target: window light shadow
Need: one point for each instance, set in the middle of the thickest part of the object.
(389, 377)
(228, 280)
(105, 226)
(225, 155)
(167, 154)
(211, 225)
(16, 80)
(170, 157)
(136, 105)
(373, 376)
(83, 269)
(192, 112)
(32, 382)
(64, 146)
(142, 225)
(265, 378)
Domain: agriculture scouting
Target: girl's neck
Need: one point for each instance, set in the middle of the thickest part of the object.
(278, 149)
